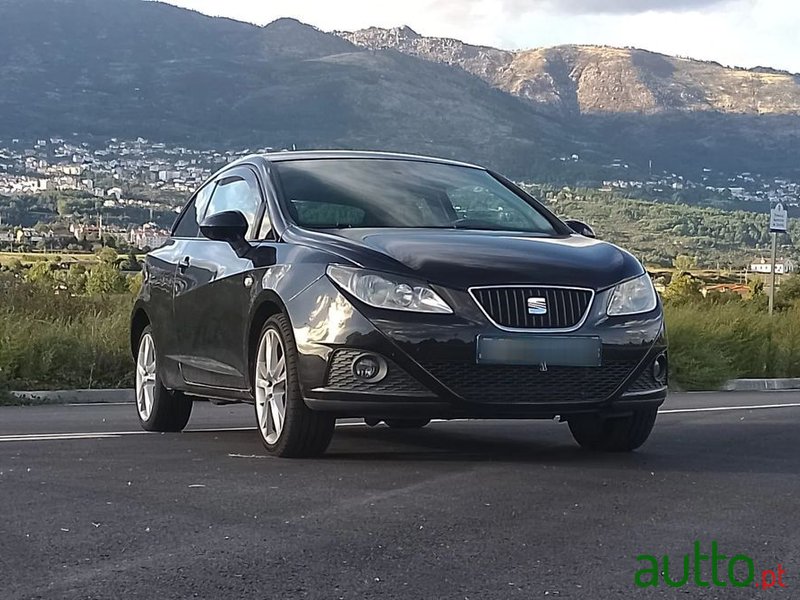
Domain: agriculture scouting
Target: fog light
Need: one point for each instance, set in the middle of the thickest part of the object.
(660, 369)
(369, 368)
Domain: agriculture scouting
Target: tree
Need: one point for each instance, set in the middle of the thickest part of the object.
(684, 263)
(74, 279)
(132, 263)
(790, 289)
(683, 289)
(105, 279)
(108, 256)
(756, 288)
(41, 273)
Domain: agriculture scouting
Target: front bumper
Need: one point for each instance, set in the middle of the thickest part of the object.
(432, 368)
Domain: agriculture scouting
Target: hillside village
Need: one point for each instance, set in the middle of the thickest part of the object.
(114, 180)
(74, 194)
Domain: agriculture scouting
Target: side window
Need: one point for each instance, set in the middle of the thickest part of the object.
(237, 192)
(189, 224)
(266, 232)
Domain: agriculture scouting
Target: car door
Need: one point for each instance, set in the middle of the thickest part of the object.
(212, 291)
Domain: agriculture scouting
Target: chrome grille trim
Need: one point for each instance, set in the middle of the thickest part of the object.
(507, 305)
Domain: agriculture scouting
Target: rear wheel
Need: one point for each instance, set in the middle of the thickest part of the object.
(614, 434)
(407, 423)
(287, 427)
(157, 407)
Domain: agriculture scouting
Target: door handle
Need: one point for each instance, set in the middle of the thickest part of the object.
(184, 264)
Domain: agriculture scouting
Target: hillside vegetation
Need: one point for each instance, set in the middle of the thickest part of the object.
(657, 232)
(68, 328)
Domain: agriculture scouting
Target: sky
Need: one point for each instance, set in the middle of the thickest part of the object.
(745, 33)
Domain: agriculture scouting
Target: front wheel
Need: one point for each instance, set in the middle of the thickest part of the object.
(287, 427)
(157, 407)
(614, 434)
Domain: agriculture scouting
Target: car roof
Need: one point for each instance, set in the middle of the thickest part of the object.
(358, 154)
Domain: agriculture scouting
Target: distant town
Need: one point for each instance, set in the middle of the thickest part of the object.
(122, 190)
(741, 187)
(71, 194)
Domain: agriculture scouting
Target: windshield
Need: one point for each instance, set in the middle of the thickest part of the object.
(343, 193)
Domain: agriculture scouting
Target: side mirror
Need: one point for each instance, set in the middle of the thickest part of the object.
(230, 226)
(581, 228)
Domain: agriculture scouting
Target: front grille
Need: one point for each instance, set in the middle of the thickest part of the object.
(397, 381)
(510, 384)
(508, 306)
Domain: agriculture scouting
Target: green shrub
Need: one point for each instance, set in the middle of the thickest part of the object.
(710, 343)
(58, 339)
(52, 340)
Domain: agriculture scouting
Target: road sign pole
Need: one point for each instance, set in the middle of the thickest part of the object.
(772, 272)
(778, 223)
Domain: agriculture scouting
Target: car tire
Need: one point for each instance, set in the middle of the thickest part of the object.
(286, 426)
(158, 408)
(614, 434)
(407, 423)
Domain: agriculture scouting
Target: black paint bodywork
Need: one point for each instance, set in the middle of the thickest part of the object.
(206, 318)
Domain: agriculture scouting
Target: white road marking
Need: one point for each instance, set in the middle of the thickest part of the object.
(248, 456)
(99, 404)
(724, 408)
(100, 435)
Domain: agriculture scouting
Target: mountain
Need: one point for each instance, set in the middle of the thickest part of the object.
(683, 114)
(601, 79)
(131, 68)
(128, 68)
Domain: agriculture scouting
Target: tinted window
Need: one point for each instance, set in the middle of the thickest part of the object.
(236, 192)
(478, 204)
(324, 214)
(189, 223)
(339, 193)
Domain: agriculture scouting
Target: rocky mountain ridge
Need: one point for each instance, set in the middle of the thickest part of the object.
(598, 79)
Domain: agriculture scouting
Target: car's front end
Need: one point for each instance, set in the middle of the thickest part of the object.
(562, 335)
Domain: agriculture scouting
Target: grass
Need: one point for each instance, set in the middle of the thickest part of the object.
(28, 258)
(710, 344)
(58, 341)
(52, 341)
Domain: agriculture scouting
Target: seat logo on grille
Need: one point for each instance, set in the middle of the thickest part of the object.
(537, 306)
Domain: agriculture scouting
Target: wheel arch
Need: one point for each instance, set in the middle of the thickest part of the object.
(139, 320)
(268, 305)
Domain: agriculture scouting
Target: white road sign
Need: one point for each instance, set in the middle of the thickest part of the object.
(778, 218)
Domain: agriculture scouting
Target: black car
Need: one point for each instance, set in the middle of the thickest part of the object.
(395, 288)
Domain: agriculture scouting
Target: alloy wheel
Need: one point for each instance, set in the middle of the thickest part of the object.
(271, 386)
(146, 376)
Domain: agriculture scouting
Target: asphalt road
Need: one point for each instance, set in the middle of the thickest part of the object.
(92, 508)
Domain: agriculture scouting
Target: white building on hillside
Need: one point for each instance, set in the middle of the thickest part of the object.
(782, 266)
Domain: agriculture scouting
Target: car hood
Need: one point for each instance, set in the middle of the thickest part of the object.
(466, 258)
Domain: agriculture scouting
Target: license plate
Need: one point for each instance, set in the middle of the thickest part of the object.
(556, 351)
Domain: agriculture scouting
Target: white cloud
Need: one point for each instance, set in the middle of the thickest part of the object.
(736, 32)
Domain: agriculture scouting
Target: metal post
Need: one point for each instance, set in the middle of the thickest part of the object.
(772, 273)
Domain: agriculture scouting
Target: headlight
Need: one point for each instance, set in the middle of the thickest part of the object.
(633, 297)
(382, 290)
